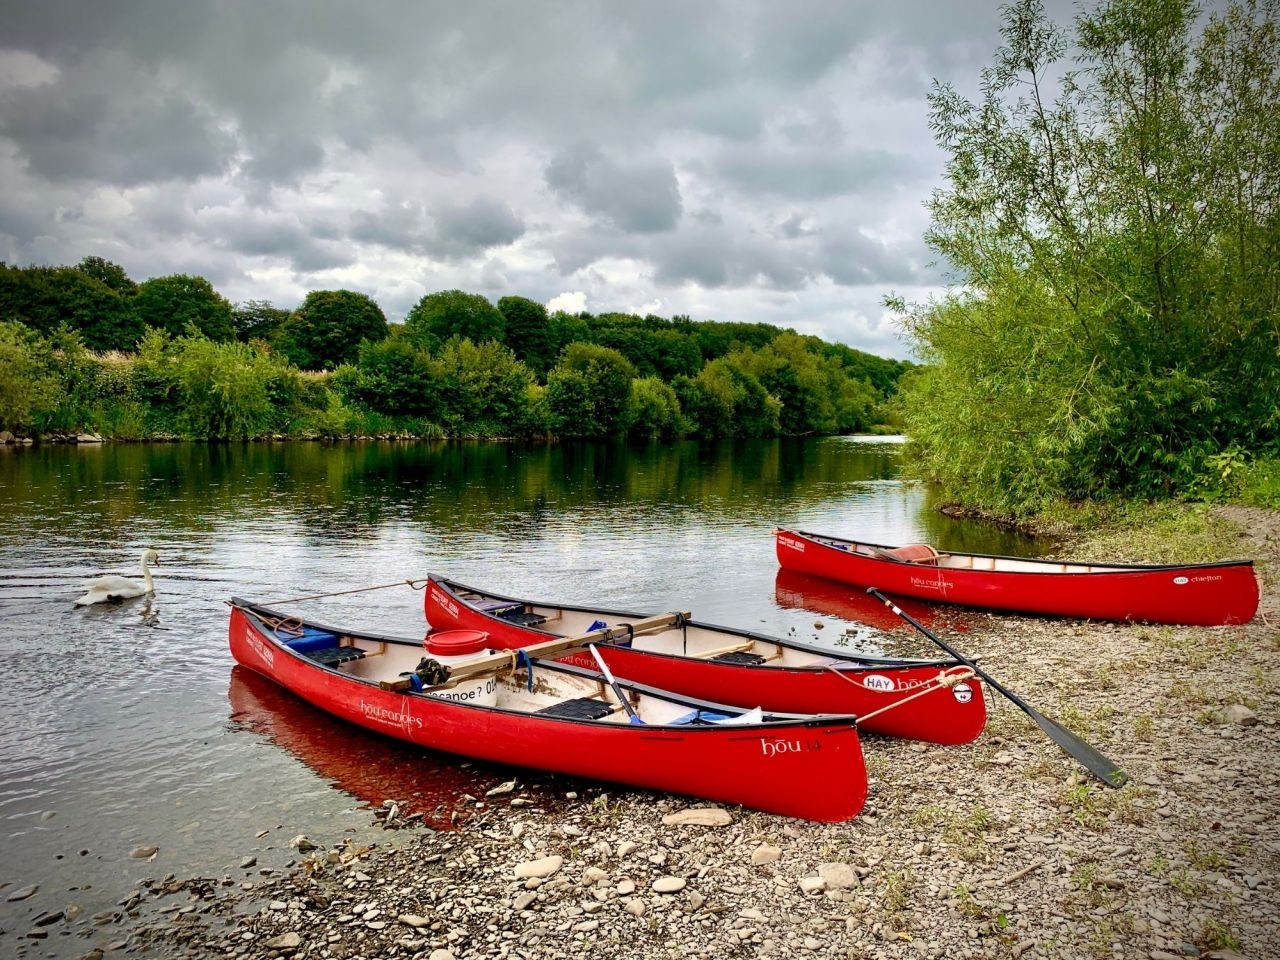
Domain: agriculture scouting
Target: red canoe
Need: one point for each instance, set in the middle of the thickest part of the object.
(1207, 594)
(735, 666)
(565, 719)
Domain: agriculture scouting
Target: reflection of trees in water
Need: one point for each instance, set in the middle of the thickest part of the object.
(347, 489)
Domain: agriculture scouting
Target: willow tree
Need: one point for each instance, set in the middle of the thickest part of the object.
(1111, 218)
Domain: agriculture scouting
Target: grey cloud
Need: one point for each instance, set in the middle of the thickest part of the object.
(636, 193)
(107, 122)
(477, 225)
(813, 173)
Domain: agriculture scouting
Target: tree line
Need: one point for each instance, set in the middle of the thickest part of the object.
(86, 347)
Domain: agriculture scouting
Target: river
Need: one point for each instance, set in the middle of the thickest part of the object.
(125, 726)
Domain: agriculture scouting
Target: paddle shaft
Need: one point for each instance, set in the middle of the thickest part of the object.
(617, 690)
(550, 649)
(1093, 761)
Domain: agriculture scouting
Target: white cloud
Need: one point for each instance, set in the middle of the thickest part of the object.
(574, 302)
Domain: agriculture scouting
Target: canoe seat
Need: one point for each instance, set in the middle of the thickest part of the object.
(332, 656)
(520, 618)
(498, 608)
(740, 658)
(911, 553)
(580, 708)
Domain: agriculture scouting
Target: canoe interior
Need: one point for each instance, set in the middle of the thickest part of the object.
(966, 561)
(696, 641)
(373, 659)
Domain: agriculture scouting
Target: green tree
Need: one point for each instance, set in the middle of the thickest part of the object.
(223, 389)
(588, 391)
(258, 320)
(1119, 250)
(452, 313)
(179, 302)
(528, 333)
(327, 329)
(46, 298)
(653, 411)
(395, 377)
(27, 387)
(109, 274)
(485, 390)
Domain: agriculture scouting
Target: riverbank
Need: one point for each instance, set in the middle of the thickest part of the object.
(998, 849)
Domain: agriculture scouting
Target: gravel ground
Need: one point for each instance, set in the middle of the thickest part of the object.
(1003, 848)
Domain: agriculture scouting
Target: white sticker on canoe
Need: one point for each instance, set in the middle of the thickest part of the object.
(1180, 580)
(962, 692)
(261, 648)
(791, 542)
(450, 607)
(878, 681)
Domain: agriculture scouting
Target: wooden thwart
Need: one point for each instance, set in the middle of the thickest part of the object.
(553, 649)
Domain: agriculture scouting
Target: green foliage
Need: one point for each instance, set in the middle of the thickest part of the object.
(26, 386)
(653, 411)
(109, 274)
(588, 391)
(179, 303)
(726, 400)
(485, 391)
(1118, 245)
(258, 320)
(452, 313)
(326, 331)
(46, 298)
(223, 389)
(395, 377)
(528, 333)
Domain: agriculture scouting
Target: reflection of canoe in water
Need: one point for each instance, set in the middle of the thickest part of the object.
(1207, 594)
(799, 591)
(734, 666)
(564, 719)
(369, 767)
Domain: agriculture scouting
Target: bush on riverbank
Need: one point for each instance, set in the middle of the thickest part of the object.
(1116, 331)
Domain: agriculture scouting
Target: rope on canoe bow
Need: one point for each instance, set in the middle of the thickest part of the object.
(415, 584)
(945, 679)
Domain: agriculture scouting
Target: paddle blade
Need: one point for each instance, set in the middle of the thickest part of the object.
(1101, 767)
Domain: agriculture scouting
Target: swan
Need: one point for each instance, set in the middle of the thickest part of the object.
(115, 587)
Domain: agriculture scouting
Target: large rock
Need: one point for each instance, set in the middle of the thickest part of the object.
(541, 869)
(144, 853)
(23, 893)
(286, 941)
(700, 817)
(6, 436)
(1239, 713)
(838, 876)
(812, 884)
(413, 920)
(88, 438)
(765, 854)
(669, 884)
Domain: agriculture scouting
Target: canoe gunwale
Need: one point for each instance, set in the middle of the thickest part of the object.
(851, 661)
(785, 721)
(828, 541)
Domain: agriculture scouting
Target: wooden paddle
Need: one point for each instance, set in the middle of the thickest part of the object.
(1102, 768)
(549, 649)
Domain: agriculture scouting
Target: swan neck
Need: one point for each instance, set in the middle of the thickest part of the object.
(146, 575)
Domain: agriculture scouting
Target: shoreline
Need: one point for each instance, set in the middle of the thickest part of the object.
(1002, 848)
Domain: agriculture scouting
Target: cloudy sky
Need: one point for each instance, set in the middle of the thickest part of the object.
(756, 161)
